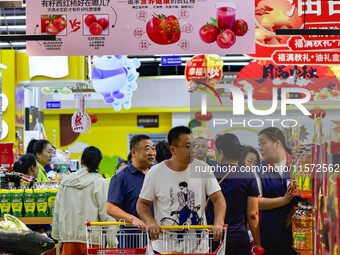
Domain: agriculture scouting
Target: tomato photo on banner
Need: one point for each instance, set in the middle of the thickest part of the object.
(276, 14)
(141, 27)
(260, 77)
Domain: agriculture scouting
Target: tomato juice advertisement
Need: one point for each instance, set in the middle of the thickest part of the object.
(144, 27)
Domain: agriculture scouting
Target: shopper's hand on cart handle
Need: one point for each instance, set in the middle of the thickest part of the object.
(218, 230)
(139, 223)
(153, 229)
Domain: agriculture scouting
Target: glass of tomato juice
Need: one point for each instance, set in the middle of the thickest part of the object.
(226, 13)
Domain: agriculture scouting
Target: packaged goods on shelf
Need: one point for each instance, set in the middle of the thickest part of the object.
(36, 202)
(303, 229)
(301, 172)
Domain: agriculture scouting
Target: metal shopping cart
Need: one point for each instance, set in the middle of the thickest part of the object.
(186, 239)
(115, 238)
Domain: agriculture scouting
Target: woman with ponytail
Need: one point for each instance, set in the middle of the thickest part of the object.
(275, 199)
(81, 198)
(27, 164)
(240, 191)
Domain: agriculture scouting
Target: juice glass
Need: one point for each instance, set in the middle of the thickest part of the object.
(226, 13)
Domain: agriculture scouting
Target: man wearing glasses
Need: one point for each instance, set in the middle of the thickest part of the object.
(201, 149)
(161, 186)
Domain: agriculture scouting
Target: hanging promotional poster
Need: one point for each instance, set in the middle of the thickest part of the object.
(143, 27)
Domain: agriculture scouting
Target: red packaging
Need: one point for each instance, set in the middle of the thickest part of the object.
(6, 155)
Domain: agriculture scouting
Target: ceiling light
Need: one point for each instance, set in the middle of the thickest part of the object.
(146, 59)
(13, 44)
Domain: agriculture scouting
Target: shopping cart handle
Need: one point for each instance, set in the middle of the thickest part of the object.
(116, 223)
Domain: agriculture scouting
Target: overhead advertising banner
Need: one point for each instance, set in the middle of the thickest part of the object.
(275, 14)
(260, 77)
(143, 27)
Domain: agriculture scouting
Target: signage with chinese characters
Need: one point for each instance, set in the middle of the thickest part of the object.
(147, 121)
(171, 60)
(306, 57)
(203, 72)
(274, 14)
(262, 77)
(6, 155)
(141, 27)
(81, 121)
(53, 105)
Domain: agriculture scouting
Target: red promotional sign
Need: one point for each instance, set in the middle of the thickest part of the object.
(306, 57)
(81, 121)
(273, 14)
(6, 155)
(263, 76)
(323, 25)
(299, 43)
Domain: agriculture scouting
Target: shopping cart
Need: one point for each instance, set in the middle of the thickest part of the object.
(115, 238)
(187, 239)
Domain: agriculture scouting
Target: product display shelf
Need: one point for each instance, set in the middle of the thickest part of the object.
(34, 220)
(299, 253)
(302, 195)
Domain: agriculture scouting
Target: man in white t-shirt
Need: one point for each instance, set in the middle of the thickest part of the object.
(178, 192)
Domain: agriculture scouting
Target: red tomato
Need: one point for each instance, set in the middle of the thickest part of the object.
(59, 23)
(163, 30)
(240, 27)
(208, 33)
(226, 39)
(51, 30)
(90, 19)
(95, 28)
(103, 22)
(44, 22)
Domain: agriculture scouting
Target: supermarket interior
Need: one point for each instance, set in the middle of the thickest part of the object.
(96, 79)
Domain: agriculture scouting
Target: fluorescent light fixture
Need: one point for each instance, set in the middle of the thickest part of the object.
(230, 64)
(312, 31)
(13, 44)
(235, 63)
(14, 17)
(146, 59)
(13, 28)
(235, 58)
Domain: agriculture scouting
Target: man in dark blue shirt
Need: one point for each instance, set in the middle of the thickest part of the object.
(201, 147)
(126, 185)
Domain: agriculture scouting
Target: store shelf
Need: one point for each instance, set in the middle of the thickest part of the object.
(34, 220)
(300, 195)
(299, 253)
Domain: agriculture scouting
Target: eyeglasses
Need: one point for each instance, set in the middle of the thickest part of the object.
(203, 146)
(187, 147)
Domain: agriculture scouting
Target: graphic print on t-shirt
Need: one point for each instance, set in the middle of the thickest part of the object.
(187, 212)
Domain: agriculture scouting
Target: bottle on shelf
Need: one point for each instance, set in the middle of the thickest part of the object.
(29, 203)
(5, 202)
(16, 202)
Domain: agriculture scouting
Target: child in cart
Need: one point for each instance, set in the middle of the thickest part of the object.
(178, 184)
